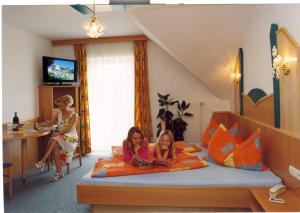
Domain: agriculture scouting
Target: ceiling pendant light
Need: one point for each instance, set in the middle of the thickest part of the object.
(93, 28)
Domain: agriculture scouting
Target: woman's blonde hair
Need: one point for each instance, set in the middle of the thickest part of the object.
(66, 99)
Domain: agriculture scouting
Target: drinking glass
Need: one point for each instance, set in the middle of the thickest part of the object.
(9, 129)
(28, 127)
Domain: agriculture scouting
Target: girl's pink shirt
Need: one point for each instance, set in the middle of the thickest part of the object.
(128, 154)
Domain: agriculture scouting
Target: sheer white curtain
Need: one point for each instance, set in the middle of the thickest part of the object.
(111, 93)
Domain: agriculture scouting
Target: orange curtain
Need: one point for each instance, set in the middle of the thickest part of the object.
(142, 113)
(80, 54)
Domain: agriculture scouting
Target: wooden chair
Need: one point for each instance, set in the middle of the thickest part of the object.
(7, 174)
(77, 153)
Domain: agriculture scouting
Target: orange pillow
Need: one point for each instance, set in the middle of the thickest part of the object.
(247, 155)
(211, 129)
(209, 132)
(221, 145)
(236, 132)
(179, 145)
(116, 150)
(185, 147)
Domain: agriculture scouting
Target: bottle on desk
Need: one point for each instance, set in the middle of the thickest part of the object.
(15, 122)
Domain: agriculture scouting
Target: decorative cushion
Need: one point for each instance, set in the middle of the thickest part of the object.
(211, 129)
(221, 145)
(247, 155)
(182, 146)
(192, 148)
(236, 132)
(209, 132)
(116, 150)
(179, 145)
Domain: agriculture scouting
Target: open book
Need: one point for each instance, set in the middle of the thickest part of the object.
(160, 163)
(142, 162)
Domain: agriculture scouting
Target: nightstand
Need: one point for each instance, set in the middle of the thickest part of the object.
(292, 203)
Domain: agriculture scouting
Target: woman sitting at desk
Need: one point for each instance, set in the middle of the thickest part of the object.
(64, 139)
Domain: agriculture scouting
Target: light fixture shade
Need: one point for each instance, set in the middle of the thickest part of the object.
(236, 76)
(93, 28)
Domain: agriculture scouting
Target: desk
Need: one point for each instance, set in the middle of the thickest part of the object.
(24, 137)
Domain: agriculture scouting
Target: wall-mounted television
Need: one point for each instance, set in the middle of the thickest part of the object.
(59, 70)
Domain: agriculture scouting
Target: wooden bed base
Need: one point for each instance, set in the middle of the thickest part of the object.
(170, 196)
(280, 149)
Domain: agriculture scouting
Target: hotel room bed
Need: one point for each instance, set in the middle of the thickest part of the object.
(213, 175)
(213, 186)
(214, 183)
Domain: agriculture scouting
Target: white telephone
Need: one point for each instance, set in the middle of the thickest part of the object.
(275, 191)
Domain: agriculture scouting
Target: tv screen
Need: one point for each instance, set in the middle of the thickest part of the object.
(58, 70)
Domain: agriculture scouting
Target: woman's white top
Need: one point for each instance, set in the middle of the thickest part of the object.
(62, 124)
(69, 140)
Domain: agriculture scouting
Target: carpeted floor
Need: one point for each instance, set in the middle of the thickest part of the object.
(41, 196)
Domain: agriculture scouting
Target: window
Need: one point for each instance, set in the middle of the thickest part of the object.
(111, 93)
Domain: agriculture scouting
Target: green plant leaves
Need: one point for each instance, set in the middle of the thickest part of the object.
(188, 114)
(178, 106)
(162, 102)
(187, 106)
(164, 97)
(161, 113)
(183, 105)
(177, 125)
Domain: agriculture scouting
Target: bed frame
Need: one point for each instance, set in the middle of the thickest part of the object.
(276, 145)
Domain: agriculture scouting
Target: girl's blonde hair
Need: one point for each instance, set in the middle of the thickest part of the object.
(66, 99)
(166, 132)
(171, 136)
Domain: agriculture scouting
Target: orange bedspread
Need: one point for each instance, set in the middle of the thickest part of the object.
(117, 167)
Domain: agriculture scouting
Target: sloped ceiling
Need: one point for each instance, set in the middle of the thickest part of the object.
(203, 38)
(57, 22)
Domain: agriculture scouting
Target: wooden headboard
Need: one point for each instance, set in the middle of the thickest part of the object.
(280, 148)
(259, 106)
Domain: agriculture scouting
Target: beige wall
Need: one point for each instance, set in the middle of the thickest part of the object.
(166, 75)
(21, 71)
(256, 42)
(21, 76)
(63, 52)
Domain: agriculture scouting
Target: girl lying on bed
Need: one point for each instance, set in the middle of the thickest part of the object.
(165, 151)
(135, 147)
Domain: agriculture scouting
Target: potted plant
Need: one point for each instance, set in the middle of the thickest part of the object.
(164, 114)
(177, 125)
